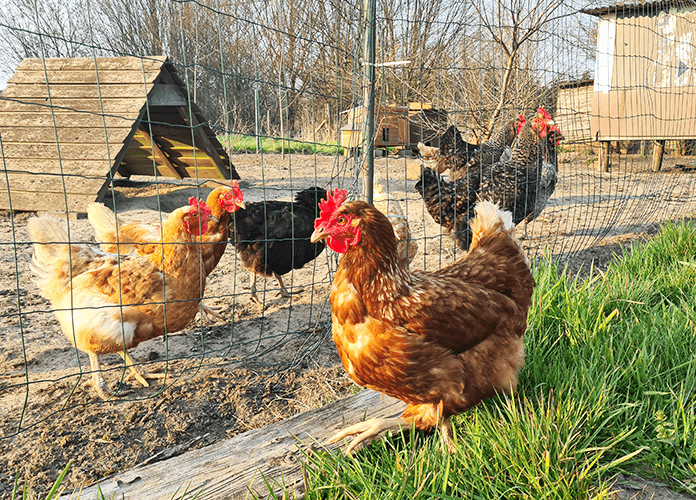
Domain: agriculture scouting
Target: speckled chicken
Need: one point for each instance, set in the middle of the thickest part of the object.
(517, 181)
(458, 156)
(452, 153)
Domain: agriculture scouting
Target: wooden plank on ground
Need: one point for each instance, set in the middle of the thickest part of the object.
(233, 468)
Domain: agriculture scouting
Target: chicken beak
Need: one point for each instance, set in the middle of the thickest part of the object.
(241, 205)
(317, 235)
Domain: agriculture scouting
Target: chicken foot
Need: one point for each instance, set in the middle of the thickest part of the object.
(97, 379)
(254, 298)
(140, 376)
(212, 312)
(100, 384)
(373, 427)
(368, 429)
(283, 291)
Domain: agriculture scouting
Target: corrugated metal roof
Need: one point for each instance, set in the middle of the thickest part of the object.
(640, 7)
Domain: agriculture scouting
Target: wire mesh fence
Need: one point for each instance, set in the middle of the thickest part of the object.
(142, 105)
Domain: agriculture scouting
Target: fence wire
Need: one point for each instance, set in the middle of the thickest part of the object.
(279, 85)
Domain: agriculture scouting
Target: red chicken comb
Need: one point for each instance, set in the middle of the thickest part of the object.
(543, 114)
(238, 195)
(328, 206)
(202, 207)
(237, 192)
(521, 120)
(543, 123)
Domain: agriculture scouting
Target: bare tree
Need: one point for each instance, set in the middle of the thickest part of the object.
(422, 32)
(511, 24)
(45, 28)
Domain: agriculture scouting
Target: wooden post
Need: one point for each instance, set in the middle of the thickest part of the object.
(605, 156)
(658, 153)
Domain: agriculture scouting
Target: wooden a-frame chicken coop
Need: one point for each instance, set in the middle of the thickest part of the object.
(68, 126)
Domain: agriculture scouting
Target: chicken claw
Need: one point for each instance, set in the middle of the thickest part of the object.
(212, 311)
(140, 376)
(100, 386)
(368, 429)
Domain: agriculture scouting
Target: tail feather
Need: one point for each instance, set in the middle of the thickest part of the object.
(497, 255)
(50, 238)
(131, 237)
(103, 221)
(490, 219)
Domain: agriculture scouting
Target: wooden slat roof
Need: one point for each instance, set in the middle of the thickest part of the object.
(67, 127)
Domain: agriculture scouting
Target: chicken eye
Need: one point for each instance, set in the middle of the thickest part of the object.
(341, 220)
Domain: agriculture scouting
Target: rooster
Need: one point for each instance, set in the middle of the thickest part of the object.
(272, 237)
(109, 303)
(440, 341)
(519, 181)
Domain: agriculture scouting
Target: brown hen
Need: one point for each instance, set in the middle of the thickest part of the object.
(439, 341)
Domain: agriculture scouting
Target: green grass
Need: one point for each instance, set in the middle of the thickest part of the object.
(608, 386)
(247, 144)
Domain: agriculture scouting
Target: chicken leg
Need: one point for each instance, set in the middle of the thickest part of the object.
(254, 298)
(99, 383)
(368, 429)
(97, 379)
(283, 291)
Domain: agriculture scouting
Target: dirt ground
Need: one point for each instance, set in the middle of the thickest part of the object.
(264, 362)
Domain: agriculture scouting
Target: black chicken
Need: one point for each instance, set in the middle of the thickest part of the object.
(520, 181)
(272, 237)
